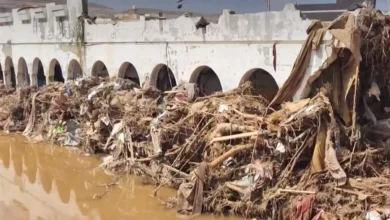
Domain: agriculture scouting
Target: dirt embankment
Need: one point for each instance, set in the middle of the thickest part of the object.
(322, 157)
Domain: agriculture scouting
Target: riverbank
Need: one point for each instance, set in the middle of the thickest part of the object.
(51, 182)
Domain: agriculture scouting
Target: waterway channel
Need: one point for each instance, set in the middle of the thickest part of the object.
(43, 181)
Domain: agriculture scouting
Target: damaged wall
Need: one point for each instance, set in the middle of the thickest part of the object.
(236, 44)
(231, 47)
(46, 33)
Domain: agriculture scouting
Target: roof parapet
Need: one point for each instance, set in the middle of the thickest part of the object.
(6, 18)
(73, 8)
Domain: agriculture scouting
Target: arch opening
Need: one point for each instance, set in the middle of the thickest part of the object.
(162, 78)
(23, 76)
(262, 81)
(1, 75)
(55, 72)
(128, 71)
(207, 80)
(9, 72)
(74, 70)
(99, 69)
(38, 74)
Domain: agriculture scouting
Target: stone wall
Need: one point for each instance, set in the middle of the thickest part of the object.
(237, 44)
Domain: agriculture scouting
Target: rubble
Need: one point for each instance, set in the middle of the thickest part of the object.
(324, 156)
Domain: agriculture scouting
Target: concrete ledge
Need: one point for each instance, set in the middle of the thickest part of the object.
(6, 17)
(39, 13)
(59, 10)
(25, 15)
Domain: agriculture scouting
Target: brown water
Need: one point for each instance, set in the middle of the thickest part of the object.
(42, 181)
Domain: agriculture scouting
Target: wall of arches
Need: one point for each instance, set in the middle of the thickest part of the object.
(161, 76)
(167, 52)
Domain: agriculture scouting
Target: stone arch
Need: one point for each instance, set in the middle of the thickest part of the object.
(162, 78)
(128, 71)
(55, 72)
(1, 74)
(38, 74)
(262, 81)
(99, 69)
(207, 80)
(23, 76)
(9, 72)
(74, 70)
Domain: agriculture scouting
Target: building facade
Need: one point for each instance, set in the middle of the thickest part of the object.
(59, 43)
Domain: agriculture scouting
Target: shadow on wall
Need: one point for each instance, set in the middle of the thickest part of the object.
(207, 80)
(74, 70)
(9, 73)
(1, 75)
(128, 71)
(162, 78)
(262, 81)
(55, 72)
(99, 69)
(23, 76)
(38, 75)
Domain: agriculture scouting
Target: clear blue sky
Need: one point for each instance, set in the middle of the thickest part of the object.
(213, 6)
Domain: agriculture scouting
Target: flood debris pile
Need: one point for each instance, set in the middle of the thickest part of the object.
(324, 156)
(14, 108)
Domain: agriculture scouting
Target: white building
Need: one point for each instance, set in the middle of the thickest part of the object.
(55, 44)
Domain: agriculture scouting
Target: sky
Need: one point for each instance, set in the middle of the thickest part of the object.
(214, 6)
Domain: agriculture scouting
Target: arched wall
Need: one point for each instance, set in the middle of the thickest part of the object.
(23, 76)
(46, 53)
(56, 73)
(38, 76)
(162, 77)
(128, 71)
(229, 72)
(184, 59)
(9, 72)
(207, 80)
(263, 82)
(1, 74)
(100, 69)
(228, 50)
(74, 70)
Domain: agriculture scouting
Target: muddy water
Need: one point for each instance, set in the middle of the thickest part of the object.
(41, 181)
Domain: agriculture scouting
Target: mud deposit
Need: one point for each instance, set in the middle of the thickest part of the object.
(42, 181)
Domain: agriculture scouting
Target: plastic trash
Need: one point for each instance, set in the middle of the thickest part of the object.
(373, 215)
(229, 162)
(280, 148)
(222, 108)
(117, 86)
(91, 95)
(73, 133)
(374, 91)
(154, 131)
(68, 91)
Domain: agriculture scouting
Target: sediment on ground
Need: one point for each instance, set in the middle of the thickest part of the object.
(324, 156)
